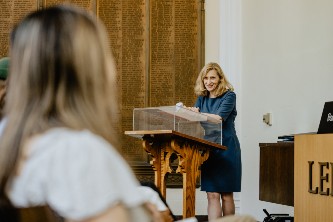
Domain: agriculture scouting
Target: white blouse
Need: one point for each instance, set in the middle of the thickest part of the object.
(77, 173)
(152, 197)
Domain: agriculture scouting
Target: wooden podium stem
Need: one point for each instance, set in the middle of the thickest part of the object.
(190, 159)
(160, 153)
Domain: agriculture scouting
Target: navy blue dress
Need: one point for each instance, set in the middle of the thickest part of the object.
(222, 171)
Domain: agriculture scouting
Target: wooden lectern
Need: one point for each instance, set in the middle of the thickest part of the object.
(191, 152)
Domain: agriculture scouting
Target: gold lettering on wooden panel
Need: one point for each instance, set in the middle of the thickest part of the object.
(110, 13)
(127, 28)
(162, 71)
(175, 51)
(11, 12)
(5, 26)
(86, 4)
(187, 52)
(134, 33)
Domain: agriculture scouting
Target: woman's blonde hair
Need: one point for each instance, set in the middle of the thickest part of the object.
(223, 86)
(62, 75)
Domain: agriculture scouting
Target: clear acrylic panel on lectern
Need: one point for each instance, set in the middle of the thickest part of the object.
(178, 119)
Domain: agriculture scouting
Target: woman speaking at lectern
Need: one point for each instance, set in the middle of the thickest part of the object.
(221, 173)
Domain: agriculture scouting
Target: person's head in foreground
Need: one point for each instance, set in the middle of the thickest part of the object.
(63, 79)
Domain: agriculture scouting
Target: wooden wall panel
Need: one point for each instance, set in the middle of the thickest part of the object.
(157, 46)
(175, 51)
(133, 82)
(127, 26)
(86, 4)
(10, 13)
(110, 12)
(162, 53)
(186, 44)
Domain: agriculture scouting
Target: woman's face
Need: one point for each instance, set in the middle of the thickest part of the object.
(211, 81)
